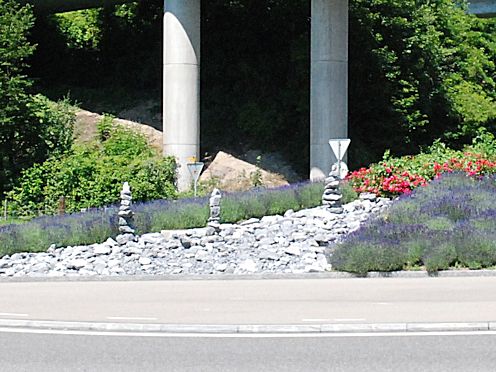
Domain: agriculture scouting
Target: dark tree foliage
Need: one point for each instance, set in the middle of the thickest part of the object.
(255, 76)
(429, 73)
(16, 135)
(32, 128)
(419, 70)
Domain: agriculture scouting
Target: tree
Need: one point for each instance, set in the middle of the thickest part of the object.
(429, 74)
(15, 23)
(419, 70)
(32, 128)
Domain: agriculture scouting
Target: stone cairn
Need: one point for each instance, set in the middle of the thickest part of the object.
(332, 196)
(126, 229)
(214, 203)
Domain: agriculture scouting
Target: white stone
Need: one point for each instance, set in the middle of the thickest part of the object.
(293, 250)
(248, 265)
(274, 244)
(76, 264)
(102, 249)
(144, 261)
(221, 267)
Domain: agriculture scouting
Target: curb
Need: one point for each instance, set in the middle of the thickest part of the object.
(247, 328)
(191, 277)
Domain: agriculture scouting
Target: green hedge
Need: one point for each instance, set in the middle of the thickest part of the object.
(92, 176)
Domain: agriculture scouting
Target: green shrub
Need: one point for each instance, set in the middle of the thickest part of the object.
(364, 257)
(126, 143)
(55, 123)
(92, 176)
(349, 194)
(262, 202)
(104, 127)
(81, 28)
(310, 195)
(440, 256)
(32, 128)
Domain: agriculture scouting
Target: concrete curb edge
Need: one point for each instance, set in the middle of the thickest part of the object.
(248, 328)
(326, 275)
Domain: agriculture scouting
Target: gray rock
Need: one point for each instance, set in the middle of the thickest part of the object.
(110, 242)
(295, 243)
(122, 239)
(185, 242)
(152, 238)
(368, 196)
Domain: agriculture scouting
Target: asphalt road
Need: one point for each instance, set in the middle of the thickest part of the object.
(300, 301)
(53, 353)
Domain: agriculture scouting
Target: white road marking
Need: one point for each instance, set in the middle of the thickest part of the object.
(129, 318)
(349, 319)
(315, 320)
(381, 303)
(239, 335)
(13, 314)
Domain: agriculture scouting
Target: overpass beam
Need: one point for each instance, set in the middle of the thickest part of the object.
(329, 81)
(181, 84)
(59, 6)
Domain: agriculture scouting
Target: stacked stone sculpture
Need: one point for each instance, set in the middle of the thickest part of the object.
(214, 204)
(126, 229)
(332, 196)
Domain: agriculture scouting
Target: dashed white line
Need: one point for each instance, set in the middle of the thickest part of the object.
(14, 314)
(315, 320)
(349, 319)
(129, 318)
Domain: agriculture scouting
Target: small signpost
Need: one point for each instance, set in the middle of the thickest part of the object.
(339, 147)
(195, 169)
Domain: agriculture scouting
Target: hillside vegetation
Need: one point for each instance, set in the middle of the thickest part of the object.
(419, 71)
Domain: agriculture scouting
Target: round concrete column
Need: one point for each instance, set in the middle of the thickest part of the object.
(181, 106)
(329, 82)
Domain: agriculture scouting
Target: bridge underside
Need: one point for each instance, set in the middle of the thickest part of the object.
(59, 6)
(483, 8)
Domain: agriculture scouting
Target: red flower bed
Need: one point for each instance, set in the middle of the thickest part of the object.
(398, 176)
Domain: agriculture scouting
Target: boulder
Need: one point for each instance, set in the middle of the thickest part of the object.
(232, 174)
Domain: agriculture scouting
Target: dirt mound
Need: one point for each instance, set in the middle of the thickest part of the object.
(225, 172)
(86, 124)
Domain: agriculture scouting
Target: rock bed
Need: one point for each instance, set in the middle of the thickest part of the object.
(298, 242)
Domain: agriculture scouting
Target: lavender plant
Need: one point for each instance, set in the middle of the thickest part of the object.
(99, 224)
(451, 222)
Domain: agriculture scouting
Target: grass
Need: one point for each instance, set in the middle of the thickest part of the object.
(97, 225)
(11, 220)
(449, 223)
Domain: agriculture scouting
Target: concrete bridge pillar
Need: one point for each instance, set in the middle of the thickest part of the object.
(329, 81)
(181, 88)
